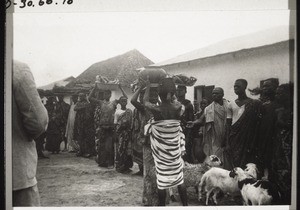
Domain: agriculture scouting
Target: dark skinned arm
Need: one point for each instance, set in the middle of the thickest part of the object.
(227, 131)
(190, 111)
(200, 121)
(146, 98)
(134, 99)
(147, 103)
(91, 97)
(123, 92)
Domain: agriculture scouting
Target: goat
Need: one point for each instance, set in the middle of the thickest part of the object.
(192, 173)
(251, 170)
(218, 180)
(255, 192)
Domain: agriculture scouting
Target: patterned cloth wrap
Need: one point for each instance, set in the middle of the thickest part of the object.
(167, 144)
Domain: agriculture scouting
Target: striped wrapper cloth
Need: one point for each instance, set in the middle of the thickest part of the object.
(167, 144)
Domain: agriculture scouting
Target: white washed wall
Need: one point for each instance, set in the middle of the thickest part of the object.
(253, 65)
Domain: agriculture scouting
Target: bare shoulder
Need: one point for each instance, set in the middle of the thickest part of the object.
(151, 106)
(177, 105)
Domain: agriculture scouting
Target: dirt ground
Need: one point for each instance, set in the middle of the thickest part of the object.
(67, 180)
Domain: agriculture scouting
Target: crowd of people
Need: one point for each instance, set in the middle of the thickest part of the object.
(165, 129)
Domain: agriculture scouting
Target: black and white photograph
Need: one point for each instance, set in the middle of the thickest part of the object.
(144, 107)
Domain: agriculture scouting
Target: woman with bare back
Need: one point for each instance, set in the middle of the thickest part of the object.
(167, 140)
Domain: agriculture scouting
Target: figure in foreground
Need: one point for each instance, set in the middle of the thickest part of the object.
(29, 121)
(244, 117)
(167, 140)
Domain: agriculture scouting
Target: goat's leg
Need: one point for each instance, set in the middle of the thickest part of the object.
(245, 201)
(208, 195)
(172, 196)
(216, 191)
(200, 189)
(199, 194)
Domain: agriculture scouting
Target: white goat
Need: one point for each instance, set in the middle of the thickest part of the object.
(251, 170)
(218, 179)
(255, 192)
(192, 173)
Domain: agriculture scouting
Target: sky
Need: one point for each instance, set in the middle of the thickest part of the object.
(59, 45)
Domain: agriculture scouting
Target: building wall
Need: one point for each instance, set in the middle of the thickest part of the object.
(253, 65)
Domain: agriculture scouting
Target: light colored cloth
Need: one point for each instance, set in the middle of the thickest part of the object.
(72, 145)
(214, 129)
(29, 121)
(118, 113)
(235, 112)
(167, 144)
(209, 111)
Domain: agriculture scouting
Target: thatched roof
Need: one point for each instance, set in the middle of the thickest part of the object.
(122, 67)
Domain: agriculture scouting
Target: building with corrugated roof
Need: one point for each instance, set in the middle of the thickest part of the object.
(254, 57)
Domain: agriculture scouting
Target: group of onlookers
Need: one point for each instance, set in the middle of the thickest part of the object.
(238, 132)
(247, 130)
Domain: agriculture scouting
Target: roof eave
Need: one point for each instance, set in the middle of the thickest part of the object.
(202, 58)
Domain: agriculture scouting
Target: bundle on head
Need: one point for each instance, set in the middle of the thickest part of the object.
(155, 75)
(181, 79)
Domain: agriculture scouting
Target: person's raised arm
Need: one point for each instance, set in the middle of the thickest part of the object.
(134, 99)
(148, 105)
(92, 98)
(146, 98)
(123, 92)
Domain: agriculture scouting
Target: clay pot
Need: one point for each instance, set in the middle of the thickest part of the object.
(155, 74)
